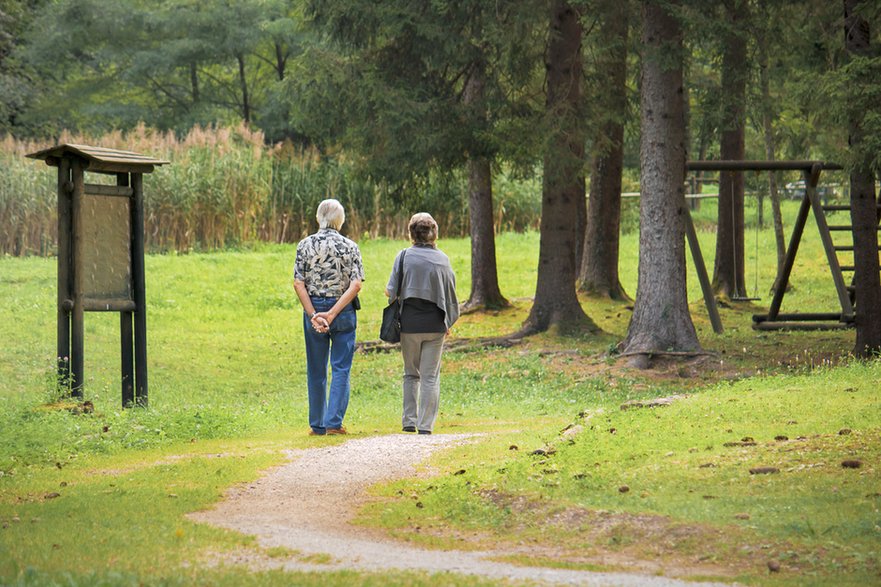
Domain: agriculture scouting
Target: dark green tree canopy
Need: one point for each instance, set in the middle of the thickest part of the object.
(389, 82)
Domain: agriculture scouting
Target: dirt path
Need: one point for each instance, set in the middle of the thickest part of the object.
(306, 505)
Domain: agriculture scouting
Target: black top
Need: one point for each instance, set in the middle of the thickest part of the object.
(420, 316)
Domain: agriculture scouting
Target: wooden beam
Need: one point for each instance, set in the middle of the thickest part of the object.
(108, 305)
(730, 165)
(64, 275)
(121, 167)
(803, 325)
(811, 180)
(702, 276)
(139, 288)
(77, 361)
(108, 190)
(127, 359)
(789, 261)
(802, 317)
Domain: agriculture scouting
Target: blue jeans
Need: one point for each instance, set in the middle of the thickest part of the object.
(327, 409)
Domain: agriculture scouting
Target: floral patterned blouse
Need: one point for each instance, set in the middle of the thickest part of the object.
(327, 262)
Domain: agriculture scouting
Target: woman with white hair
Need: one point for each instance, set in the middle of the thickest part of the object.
(327, 278)
(429, 309)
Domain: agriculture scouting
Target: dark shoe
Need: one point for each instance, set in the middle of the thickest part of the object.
(313, 432)
(340, 430)
(409, 428)
(425, 432)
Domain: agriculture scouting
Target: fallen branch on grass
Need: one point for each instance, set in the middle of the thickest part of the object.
(455, 344)
(665, 354)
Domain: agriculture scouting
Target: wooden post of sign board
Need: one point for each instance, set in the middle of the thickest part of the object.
(126, 351)
(77, 360)
(139, 287)
(64, 276)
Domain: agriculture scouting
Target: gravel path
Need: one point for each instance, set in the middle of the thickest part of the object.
(307, 503)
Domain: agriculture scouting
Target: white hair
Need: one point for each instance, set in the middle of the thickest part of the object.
(330, 214)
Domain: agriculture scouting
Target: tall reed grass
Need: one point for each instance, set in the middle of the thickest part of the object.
(225, 187)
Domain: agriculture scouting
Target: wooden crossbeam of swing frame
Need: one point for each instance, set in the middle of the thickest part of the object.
(810, 202)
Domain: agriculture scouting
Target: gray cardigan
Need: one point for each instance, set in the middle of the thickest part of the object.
(427, 275)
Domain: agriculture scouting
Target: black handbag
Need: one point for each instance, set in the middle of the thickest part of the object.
(390, 330)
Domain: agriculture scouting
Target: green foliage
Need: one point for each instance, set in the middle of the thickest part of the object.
(517, 207)
(393, 84)
(387, 80)
(16, 82)
(178, 63)
(855, 91)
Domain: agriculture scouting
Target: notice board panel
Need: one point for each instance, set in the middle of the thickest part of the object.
(106, 240)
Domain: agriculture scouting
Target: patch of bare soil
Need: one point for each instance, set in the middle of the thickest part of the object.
(301, 515)
(645, 543)
(723, 359)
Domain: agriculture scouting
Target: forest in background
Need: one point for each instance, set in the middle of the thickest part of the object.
(405, 105)
(241, 97)
(311, 73)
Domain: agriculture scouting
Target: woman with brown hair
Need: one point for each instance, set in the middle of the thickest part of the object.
(429, 309)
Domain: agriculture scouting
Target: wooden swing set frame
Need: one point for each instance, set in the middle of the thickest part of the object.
(774, 319)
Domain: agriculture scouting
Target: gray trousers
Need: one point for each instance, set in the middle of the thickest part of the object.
(422, 363)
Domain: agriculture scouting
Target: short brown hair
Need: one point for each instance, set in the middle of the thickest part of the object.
(423, 229)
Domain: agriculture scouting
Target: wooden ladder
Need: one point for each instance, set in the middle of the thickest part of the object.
(774, 320)
(845, 248)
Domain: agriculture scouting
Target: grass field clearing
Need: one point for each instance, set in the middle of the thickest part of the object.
(227, 400)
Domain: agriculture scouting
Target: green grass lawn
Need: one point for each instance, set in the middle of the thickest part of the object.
(100, 498)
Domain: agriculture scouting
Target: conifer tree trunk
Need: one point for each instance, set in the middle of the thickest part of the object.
(863, 203)
(485, 291)
(661, 321)
(556, 303)
(599, 265)
(728, 273)
(771, 154)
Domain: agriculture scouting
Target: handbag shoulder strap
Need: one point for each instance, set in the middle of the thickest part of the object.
(400, 274)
